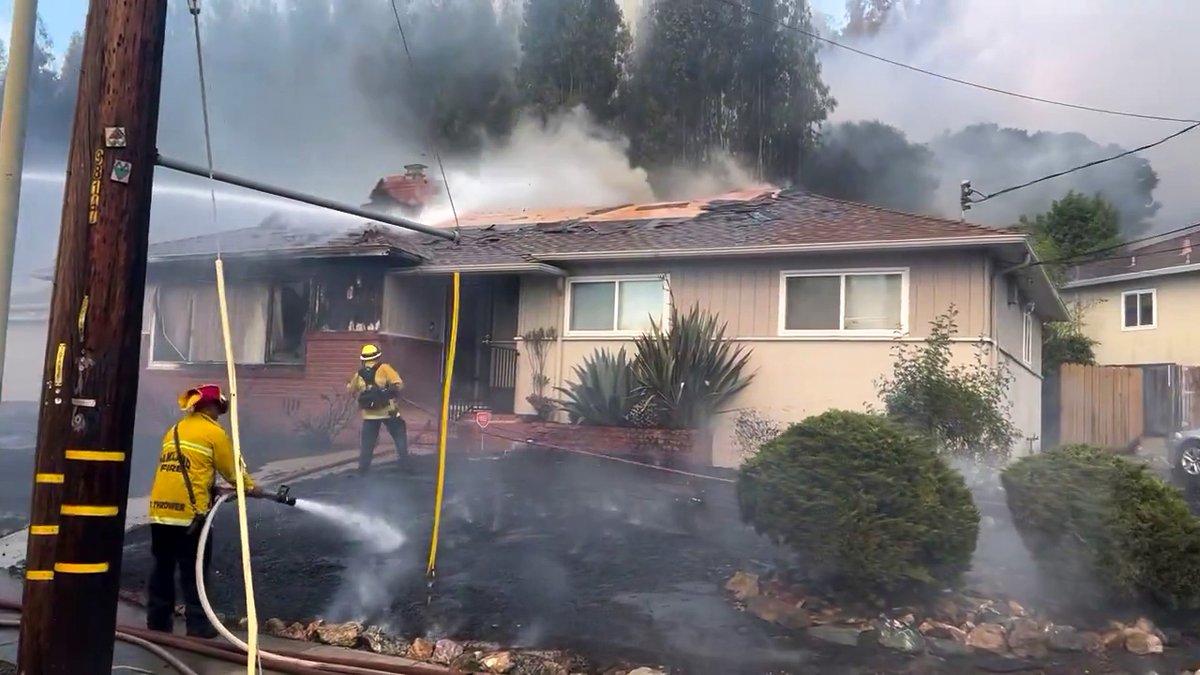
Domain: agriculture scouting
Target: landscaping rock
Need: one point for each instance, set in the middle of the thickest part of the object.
(339, 634)
(294, 631)
(382, 643)
(948, 648)
(1142, 643)
(1026, 639)
(646, 671)
(497, 662)
(989, 637)
(778, 612)
(1067, 639)
(445, 651)
(743, 586)
(837, 635)
(421, 649)
(895, 635)
(944, 631)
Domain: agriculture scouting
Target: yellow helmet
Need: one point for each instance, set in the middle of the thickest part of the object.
(370, 352)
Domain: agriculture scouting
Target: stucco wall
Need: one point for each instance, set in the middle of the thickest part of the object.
(796, 377)
(25, 360)
(1172, 340)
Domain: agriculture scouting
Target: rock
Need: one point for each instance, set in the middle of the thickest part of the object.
(295, 631)
(778, 612)
(275, 627)
(948, 648)
(989, 637)
(445, 651)
(1142, 643)
(497, 662)
(947, 610)
(944, 631)
(1067, 639)
(1113, 639)
(1026, 639)
(467, 662)
(340, 634)
(382, 643)
(908, 619)
(743, 586)
(895, 635)
(646, 671)
(1015, 608)
(421, 649)
(835, 634)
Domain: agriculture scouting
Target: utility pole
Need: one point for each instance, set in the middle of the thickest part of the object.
(85, 429)
(12, 151)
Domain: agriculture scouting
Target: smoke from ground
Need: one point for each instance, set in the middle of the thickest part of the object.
(1106, 53)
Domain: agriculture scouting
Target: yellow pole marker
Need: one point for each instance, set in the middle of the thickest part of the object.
(39, 575)
(89, 511)
(94, 456)
(81, 568)
(43, 530)
(238, 464)
(49, 478)
(441, 478)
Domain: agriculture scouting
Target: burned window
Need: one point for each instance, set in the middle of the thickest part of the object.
(291, 311)
(349, 301)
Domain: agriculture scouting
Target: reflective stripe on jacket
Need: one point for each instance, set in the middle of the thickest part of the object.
(206, 451)
(385, 376)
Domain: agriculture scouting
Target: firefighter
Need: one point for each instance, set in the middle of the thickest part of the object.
(377, 387)
(194, 451)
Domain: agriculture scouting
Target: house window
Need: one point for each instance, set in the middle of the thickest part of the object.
(187, 324)
(860, 302)
(1027, 337)
(1138, 309)
(290, 317)
(624, 305)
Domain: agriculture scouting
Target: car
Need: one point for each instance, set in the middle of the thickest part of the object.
(1184, 449)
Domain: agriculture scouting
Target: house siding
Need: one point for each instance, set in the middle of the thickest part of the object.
(25, 360)
(795, 377)
(414, 306)
(1173, 340)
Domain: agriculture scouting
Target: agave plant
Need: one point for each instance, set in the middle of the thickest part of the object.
(603, 391)
(688, 369)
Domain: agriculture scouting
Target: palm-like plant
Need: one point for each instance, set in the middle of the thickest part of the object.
(603, 391)
(688, 369)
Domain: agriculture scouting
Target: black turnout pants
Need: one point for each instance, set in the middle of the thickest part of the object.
(370, 437)
(173, 547)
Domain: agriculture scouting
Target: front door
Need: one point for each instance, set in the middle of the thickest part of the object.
(485, 368)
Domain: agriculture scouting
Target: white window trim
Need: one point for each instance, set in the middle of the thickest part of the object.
(1153, 303)
(1027, 337)
(664, 278)
(783, 331)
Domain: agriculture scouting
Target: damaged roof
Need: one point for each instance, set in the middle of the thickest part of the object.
(1167, 255)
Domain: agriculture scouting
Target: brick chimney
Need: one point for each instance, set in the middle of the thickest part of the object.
(406, 194)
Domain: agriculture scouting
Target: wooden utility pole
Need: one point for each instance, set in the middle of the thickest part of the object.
(85, 427)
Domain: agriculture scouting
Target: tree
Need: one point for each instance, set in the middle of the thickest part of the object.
(1066, 341)
(866, 17)
(873, 163)
(713, 77)
(52, 91)
(574, 52)
(1074, 226)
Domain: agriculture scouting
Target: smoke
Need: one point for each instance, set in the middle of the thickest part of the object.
(1105, 53)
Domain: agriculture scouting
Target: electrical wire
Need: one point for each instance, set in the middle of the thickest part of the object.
(1124, 256)
(955, 80)
(1088, 165)
(432, 140)
(1088, 256)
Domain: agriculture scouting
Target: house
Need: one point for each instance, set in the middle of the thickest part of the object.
(1140, 304)
(820, 290)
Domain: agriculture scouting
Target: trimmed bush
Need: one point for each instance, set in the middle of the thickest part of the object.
(1103, 528)
(867, 504)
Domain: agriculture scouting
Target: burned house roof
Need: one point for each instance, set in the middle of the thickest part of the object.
(1166, 255)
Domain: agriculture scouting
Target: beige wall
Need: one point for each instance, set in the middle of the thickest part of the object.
(25, 360)
(414, 306)
(798, 377)
(1172, 340)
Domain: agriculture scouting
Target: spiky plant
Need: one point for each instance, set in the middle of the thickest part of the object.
(603, 391)
(688, 369)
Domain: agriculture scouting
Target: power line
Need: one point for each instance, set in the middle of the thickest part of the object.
(1177, 249)
(1087, 257)
(432, 140)
(948, 78)
(1088, 165)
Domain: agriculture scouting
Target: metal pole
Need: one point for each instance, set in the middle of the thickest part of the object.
(230, 179)
(90, 381)
(12, 151)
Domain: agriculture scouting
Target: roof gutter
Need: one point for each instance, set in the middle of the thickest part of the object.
(484, 268)
(1048, 291)
(1133, 276)
(849, 246)
(286, 254)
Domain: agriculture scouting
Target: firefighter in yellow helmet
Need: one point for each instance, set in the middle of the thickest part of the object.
(194, 451)
(377, 387)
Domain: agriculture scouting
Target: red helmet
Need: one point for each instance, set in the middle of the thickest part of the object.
(205, 393)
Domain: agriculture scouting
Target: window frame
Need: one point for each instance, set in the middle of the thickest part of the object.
(1153, 305)
(783, 331)
(1027, 337)
(616, 280)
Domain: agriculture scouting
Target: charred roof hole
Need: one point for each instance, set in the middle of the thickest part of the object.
(491, 240)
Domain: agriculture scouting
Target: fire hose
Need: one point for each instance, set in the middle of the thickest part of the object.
(167, 657)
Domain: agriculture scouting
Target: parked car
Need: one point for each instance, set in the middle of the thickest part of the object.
(1184, 452)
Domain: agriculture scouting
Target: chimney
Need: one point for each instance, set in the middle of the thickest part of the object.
(406, 194)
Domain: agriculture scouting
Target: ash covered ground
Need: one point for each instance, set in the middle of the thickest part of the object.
(620, 564)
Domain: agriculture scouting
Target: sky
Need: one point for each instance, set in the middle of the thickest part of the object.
(61, 17)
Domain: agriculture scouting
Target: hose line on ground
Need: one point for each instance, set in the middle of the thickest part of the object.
(167, 657)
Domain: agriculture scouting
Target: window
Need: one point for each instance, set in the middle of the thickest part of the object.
(1138, 309)
(626, 305)
(1027, 337)
(291, 303)
(871, 302)
(187, 324)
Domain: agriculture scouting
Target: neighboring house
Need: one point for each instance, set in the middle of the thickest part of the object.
(1141, 305)
(820, 290)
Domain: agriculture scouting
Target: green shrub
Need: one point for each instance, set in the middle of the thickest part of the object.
(603, 391)
(867, 504)
(1103, 528)
(688, 369)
